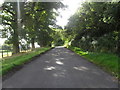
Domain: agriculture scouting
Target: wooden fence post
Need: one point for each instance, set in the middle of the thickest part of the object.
(7, 51)
(2, 51)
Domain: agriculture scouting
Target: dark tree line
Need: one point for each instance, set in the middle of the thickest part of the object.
(96, 27)
(34, 22)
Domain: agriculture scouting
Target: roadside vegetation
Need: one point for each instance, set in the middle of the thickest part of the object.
(94, 33)
(107, 61)
(19, 59)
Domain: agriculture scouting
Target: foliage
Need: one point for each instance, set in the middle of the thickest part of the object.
(9, 20)
(58, 37)
(32, 25)
(95, 27)
(41, 16)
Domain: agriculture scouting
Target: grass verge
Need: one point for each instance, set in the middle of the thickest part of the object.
(20, 59)
(107, 61)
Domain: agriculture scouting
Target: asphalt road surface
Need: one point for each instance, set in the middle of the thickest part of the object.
(60, 68)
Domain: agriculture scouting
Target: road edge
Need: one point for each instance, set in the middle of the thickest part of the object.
(17, 68)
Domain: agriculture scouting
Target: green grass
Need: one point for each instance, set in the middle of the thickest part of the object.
(19, 59)
(107, 61)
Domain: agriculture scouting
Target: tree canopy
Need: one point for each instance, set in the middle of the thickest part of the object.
(95, 27)
(33, 25)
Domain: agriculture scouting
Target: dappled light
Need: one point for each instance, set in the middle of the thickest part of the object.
(59, 59)
(59, 74)
(71, 39)
(66, 52)
(81, 68)
(55, 55)
(47, 61)
(64, 70)
(59, 62)
(59, 47)
(49, 68)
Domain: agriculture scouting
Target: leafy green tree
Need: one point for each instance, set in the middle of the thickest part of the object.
(9, 19)
(39, 16)
(95, 26)
(35, 21)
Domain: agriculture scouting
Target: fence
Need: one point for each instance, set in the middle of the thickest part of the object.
(8, 52)
(5, 52)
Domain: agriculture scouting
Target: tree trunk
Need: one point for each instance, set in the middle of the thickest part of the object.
(15, 42)
(15, 48)
(33, 43)
(118, 44)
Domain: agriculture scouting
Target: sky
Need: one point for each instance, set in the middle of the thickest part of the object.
(62, 20)
(72, 7)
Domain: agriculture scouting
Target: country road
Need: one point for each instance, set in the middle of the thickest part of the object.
(60, 68)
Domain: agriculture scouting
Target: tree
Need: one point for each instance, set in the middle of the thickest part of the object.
(96, 22)
(36, 17)
(9, 19)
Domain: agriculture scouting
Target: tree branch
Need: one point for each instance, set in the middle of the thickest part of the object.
(7, 23)
(9, 11)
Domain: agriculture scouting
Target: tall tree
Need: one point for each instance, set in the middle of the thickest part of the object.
(36, 17)
(9, 19)
(95, 26)
(39, 16)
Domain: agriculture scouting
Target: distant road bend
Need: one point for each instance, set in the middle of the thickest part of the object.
(60, 68)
